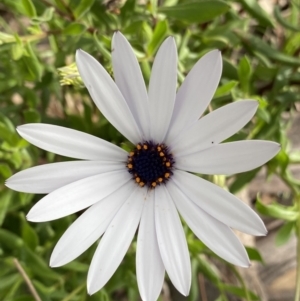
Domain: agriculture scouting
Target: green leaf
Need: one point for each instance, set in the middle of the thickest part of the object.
(74, 29)
(6, 134)
(17, 51)
(197, 11)
(8, 281)
(229, 70)
(101, 47)
(83, 7)
(28, 234)
(255, 10)
(208, 270)
(254, 254)
(284, 233)
(45, 17)
(10, 240)
(38, 265)
(255, 44)
(242, 179)
(5, 170)
(32, 116)
(245, 73)
(159, 34)
(226, 88)
(29, 8)
(5, 198)
(239, 291)
(263, 115)
(277, 210)
(32, 63)
(282, 21)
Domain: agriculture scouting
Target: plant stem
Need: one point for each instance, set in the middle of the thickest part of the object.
(297, 294)
(242, 282)
(27, 280)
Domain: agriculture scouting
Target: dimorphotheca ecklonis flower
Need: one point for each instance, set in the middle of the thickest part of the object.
(146, 187)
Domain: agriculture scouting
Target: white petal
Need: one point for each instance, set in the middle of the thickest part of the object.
(49, 177)
(162, 89)
(219, 203)
(77, 196)
(70, 143)
(107, 96)
(171, 241)
(229, 158)
(214, 127)
(129, 79)
(214, 234)
(116, 241)
(89, 227)
(150, 269)
(196, 92)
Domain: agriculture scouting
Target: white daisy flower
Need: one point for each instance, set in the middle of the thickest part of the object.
(146, 187)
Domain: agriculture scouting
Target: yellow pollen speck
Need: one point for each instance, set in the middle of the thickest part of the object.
(168, 164)
(167, 175)
(161, 154)
(138, 147)
(153, 184)
(129, 165)
(145, 146)
(138, 180)
(159, 148)
(131, 154)
(142, 184)
(160, 180)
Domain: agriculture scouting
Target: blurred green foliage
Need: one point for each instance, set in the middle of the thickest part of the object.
(39, 83)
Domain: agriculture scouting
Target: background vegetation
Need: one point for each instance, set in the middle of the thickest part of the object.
(39, 83)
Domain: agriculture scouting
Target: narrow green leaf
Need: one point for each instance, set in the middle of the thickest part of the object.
(38, 265)
(159, 34)
(255, 44)
(45, 17)
(29, 8)
(226, 88)
(11, 137)
(101, 47)
(208, 270)
(5, 198)
(256, 11)
(242, 179)
(197, 11)
(10, 240)
(284, 233)
(83, 7)
(74, 29)
(9, 280)
(5, 171)
(29, 236)
(245, 73)
(229, 70)
(254, 254)
(17, 51)
(239, 291)
(277, 210)
(263, 115)
(32, 63)
(283, 22)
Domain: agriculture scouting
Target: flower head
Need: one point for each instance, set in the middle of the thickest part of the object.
(149, 185)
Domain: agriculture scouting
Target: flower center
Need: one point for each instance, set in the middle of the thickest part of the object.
(150, 164)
